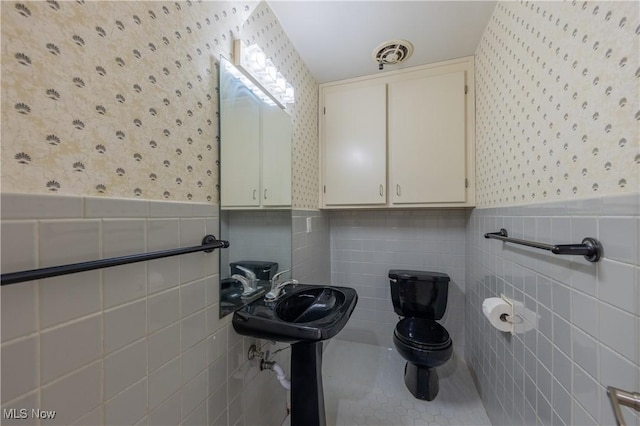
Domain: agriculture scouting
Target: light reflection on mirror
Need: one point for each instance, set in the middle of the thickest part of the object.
(255, 191)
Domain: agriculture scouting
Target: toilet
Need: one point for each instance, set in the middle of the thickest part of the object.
(420, 297)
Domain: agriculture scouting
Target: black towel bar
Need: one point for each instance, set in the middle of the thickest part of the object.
(209, 243)
(590, 248)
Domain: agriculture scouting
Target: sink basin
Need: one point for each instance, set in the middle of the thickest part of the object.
(308, 313)
(310, 305)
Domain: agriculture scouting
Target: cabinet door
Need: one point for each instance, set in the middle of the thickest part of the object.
(240, 152)
(427, 140)
(355, 145)
(276, 157)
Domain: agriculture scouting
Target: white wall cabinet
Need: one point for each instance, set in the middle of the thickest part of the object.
(427, 139)
(255, 156)
(240, 152)
(355, 145)
(276, 158)
(399, 139)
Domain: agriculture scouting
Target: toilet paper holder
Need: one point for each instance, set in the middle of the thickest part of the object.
(506, 317)
(509, 315)
(513, 318)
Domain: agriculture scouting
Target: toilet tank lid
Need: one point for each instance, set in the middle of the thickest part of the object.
(405, 274)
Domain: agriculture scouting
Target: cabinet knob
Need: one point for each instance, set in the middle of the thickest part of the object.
(398, 190)
(381, 191)
(265, 194)
(254, 194)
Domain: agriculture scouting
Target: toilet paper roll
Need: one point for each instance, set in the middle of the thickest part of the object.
(492, 308)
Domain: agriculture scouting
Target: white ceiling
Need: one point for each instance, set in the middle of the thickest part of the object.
(336, 38)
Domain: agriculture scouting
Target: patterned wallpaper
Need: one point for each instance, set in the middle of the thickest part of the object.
(119, 98)
(558, 113)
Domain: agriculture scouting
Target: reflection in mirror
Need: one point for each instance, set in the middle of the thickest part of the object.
(255, 190)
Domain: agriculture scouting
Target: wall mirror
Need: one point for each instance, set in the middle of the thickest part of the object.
(255, 189)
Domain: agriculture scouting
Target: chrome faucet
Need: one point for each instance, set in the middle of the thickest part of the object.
(250, 276)
(277, 285)
(246, 285)
(249, 280)
(275, 280)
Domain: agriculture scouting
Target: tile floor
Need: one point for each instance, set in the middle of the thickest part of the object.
(364, 385)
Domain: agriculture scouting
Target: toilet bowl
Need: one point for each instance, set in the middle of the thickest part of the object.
(430, 348)
(421, 298)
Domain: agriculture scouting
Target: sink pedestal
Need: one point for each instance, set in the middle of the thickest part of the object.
(305, 317)
(307, 396)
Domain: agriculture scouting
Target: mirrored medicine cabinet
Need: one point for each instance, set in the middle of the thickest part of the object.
(255, 189)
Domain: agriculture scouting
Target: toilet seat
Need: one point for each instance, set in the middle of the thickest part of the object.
(422, 334)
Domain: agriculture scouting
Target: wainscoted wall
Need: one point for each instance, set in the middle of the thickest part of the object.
(557, 122)
(118, 99)
(134, 344)
(365, 245)
(588, 314)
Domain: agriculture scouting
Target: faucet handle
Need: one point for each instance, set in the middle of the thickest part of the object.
(277, 277)
(246, 285)
(240, 278)
(248, 272)
(278, 289)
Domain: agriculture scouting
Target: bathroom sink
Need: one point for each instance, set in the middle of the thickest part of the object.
(304, 317)
(309, 305)
(308, 313)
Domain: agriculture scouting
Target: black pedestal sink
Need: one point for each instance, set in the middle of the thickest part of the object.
(304, 317)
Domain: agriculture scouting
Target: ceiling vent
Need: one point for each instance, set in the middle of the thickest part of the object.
(392, 52)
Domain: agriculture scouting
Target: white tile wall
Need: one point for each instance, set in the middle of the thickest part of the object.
(194, 361)
(20, 368)
(128, 406)
(588, 334)
(73, 395)
(163, 309)
(135, 344)
(167, 413)
(67, 348)
(124, 367)
(163, 346)
(20, 304)
(59, 307)
(124, 324)
(122, 237)
(162, 234)
(192, 297)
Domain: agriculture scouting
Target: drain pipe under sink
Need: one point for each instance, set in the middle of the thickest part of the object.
(272, 365)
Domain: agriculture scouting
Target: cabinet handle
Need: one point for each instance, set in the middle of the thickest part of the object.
(265, 194)
(398, 190)
(254, 194)
(381, 190)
